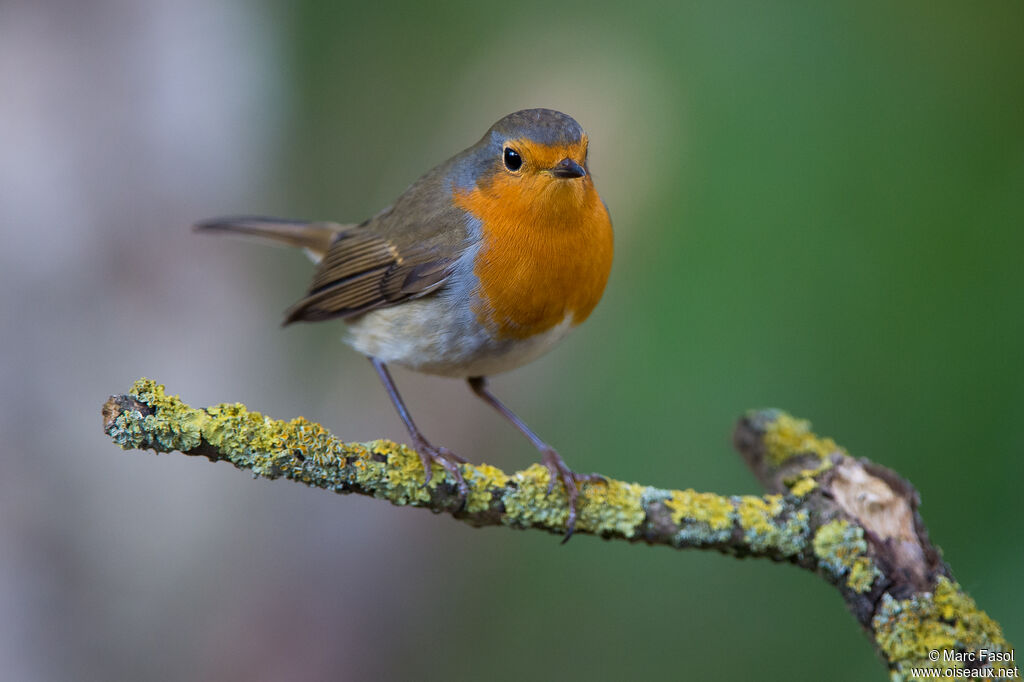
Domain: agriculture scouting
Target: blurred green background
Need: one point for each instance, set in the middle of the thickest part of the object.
(818, 206)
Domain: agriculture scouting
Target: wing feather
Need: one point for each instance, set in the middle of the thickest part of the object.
(362, 271)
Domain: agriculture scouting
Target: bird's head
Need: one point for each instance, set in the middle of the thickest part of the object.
(535, 158)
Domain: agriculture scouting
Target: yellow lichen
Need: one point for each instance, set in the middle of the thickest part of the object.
(766, 527)
(944, 630)
(714, 510)
(172, 426)
(841, 550)
(756, 513)
(307, 452)
(232, 428)
(837, 544)
(153, 394)
(404, 480)
(611, 508)
(482, 479)
(786, 436)
(973, 627)
(863, 573)
(807, 479)
(803, 486)
(529, 503)
(792, 537)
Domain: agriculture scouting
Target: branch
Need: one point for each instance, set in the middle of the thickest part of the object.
(852, 522)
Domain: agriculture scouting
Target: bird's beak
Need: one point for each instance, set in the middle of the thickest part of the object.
(567, 168)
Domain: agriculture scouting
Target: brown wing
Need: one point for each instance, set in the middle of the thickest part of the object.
(362, 271)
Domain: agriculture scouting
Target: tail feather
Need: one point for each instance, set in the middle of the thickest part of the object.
(316, 238)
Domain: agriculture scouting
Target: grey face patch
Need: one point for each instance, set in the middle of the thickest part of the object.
(474, 162)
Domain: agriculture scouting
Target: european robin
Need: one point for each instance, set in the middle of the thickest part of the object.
(479, 267)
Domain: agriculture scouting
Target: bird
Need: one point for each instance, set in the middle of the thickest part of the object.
(481, 266)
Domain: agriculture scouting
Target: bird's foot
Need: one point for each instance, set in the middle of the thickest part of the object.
(559, 471)
(432, 454)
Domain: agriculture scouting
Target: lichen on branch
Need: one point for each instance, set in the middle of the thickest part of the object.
(852, 522)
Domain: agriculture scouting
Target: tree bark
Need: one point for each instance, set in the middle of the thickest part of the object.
(853, 522)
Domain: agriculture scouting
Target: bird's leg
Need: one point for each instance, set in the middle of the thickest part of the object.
(428, 452)
(555, 464)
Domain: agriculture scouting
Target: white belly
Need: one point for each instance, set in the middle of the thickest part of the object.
(434, 336)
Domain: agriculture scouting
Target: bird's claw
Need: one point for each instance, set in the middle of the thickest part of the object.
(431, 454)
(559, 471)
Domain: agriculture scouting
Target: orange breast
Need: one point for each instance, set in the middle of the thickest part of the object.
(546, 251)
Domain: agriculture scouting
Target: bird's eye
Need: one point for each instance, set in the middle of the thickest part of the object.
(512, 159)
